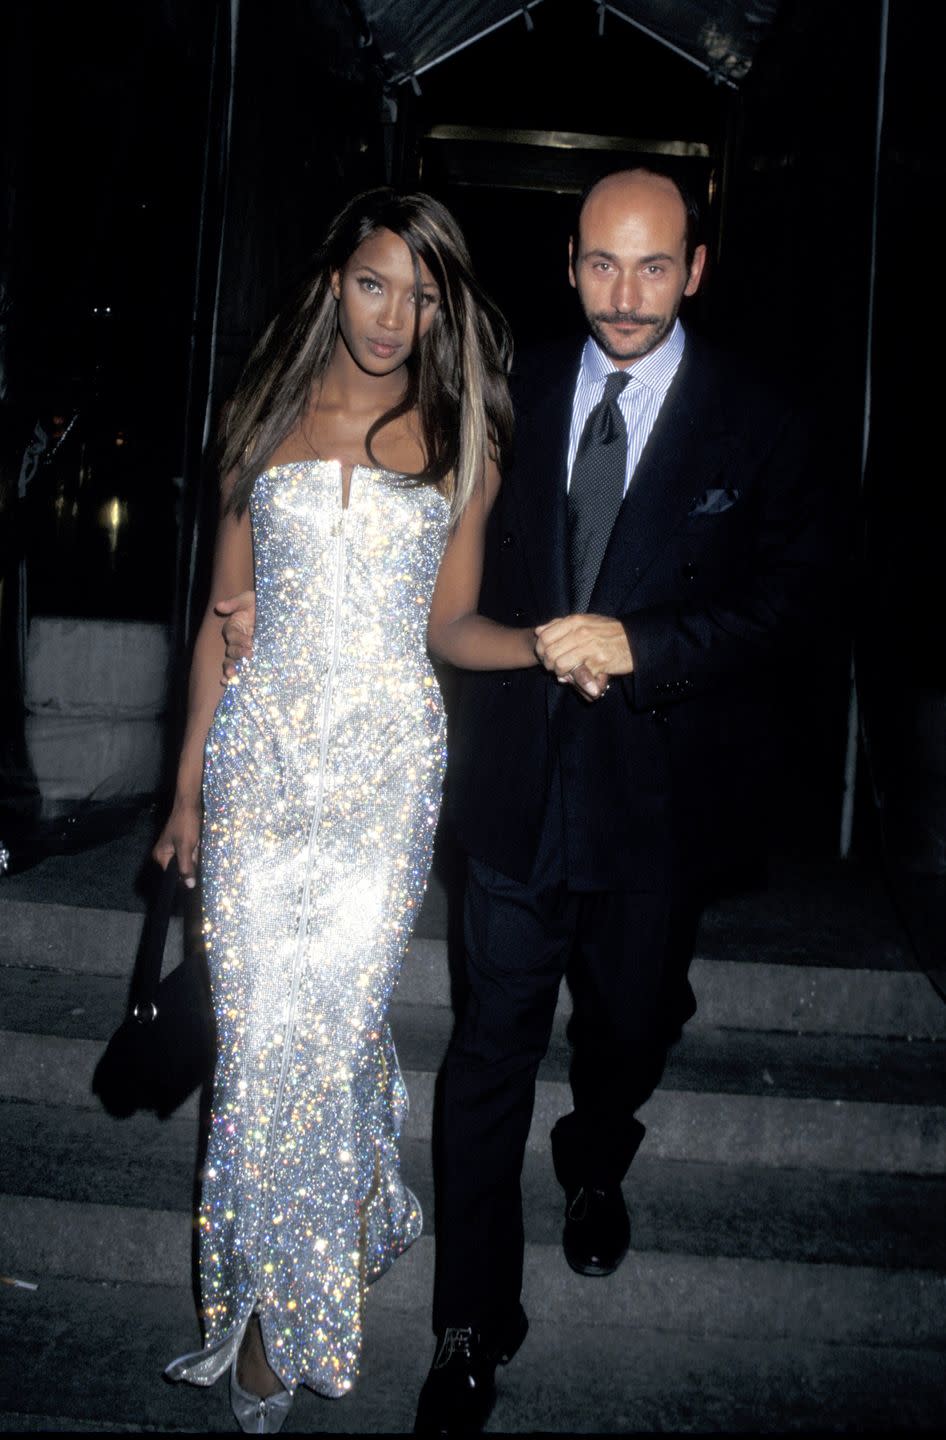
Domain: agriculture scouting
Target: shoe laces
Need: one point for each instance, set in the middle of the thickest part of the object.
(457, 1340)
(578, 1205)
(592, 1195)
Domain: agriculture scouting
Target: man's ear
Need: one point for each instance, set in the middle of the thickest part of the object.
(571, 264)
(696, 270)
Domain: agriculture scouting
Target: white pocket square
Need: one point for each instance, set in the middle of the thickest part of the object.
(714, 502)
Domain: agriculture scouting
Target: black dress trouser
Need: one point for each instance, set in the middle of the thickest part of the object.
(626, 955)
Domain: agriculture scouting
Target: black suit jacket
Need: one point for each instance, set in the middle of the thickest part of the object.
(716, 565)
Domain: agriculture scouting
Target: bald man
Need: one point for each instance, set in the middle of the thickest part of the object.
(660, 527)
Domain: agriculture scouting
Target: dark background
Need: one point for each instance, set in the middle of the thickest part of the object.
(113, 271)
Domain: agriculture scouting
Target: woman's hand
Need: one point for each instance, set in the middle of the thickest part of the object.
(180, 837)
(238, 628)
(588, 685)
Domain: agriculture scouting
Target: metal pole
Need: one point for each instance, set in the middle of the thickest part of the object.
(853, 712)
(207, 281)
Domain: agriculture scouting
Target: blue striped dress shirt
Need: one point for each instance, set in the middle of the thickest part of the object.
(640, 400)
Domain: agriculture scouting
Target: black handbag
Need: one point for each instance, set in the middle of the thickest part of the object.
(164, 1048)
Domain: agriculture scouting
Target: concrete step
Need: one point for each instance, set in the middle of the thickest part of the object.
(788, 1260)
(83, 1356)
(697, 1295)
(68, 1006)
(60, 1153)
(758, 995)
(707, 1126)
(824, 912)
(813, 910)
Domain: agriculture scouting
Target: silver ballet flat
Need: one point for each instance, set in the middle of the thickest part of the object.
(255, 1414)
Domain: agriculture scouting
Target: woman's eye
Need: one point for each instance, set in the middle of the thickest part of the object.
(369, 283)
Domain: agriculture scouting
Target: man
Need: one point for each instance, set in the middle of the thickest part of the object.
(660, 528)
(661, 504)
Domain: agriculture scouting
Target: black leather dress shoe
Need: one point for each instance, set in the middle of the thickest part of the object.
(597, 1229)
(460, 1390)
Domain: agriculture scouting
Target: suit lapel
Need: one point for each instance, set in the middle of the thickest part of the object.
(683, 448)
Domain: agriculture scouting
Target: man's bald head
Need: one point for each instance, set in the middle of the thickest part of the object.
(625, 181)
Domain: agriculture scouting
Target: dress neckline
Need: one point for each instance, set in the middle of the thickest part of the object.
(369, 469)
(317, 460)
(336, 464)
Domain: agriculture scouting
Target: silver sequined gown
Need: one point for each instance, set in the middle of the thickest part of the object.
(321, 791)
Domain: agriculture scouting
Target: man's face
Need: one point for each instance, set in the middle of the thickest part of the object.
(629, 266)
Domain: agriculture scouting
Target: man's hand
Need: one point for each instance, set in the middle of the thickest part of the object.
(584, 650)
(240, 611)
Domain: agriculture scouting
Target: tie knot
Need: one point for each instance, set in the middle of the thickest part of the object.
(614, 384)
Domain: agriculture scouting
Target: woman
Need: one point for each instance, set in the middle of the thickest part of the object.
(360, 460)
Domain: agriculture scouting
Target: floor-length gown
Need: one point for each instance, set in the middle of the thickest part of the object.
(321, 790)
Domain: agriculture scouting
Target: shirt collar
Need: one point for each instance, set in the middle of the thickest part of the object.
(655, 370)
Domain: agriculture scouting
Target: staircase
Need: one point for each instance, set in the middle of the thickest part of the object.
(788, 1251)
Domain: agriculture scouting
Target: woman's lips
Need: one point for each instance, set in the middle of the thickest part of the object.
(384, 349)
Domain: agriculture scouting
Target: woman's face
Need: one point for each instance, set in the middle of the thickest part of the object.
(376, 303)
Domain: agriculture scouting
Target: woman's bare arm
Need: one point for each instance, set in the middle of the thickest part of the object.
(455, 632)
(232, 572)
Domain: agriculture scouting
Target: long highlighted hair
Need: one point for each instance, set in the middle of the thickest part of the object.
(456, 373)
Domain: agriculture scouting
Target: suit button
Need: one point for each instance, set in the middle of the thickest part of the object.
(658, 717)
(507, 540)
(505, 683)
(518, 616)
(689, 571)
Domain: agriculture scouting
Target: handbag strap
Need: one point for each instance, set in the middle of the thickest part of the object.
(146, 975)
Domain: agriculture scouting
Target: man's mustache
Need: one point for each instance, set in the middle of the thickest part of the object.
(628, 317)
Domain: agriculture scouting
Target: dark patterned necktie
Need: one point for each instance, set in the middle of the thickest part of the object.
(596, 489)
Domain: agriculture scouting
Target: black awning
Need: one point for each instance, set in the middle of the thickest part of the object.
(721, 36)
